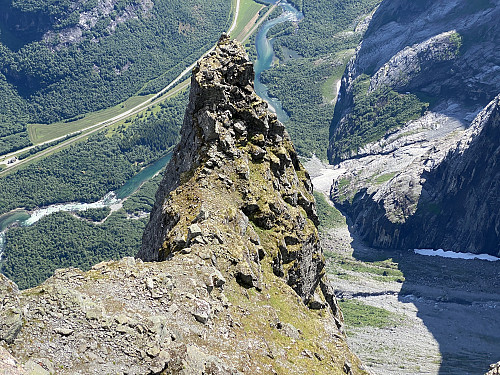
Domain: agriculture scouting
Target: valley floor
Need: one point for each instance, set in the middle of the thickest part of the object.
(412, 314)
(443, 313)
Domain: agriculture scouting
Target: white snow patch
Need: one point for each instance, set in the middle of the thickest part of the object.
(452, 254)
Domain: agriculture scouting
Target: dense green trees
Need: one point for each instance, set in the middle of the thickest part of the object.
(298, 85)
(323, 29)
(47, 81)
(88, 170)
(61, 240)
(85, 172)
(94, 214)
(305, 84)
(13, 118)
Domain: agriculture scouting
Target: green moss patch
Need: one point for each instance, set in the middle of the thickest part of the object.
(386, 270)
(329, 216)
(384, 178)
(359, 314)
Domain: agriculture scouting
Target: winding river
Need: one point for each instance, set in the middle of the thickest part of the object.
(114, 200)
(265, 54)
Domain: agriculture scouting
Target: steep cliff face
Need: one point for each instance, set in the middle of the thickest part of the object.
(237, 281)
(447, 197)
(459, 207)
(422, 73)
(448, 50)
(236, 163)
(60, 24)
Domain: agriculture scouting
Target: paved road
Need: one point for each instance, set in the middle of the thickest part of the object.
(101, 125)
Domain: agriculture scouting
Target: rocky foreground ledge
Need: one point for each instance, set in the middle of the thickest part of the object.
(230, 277)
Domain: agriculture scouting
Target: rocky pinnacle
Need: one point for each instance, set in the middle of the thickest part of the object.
(230, 277)
(235, 162)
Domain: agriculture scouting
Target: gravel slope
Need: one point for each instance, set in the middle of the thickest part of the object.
(447, 317)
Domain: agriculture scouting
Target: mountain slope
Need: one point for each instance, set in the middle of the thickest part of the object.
(459, 207)
(422, 73)
(242, 286)
(63, 59)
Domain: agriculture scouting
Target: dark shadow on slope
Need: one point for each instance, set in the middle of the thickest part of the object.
(457, 300)
(18, 28)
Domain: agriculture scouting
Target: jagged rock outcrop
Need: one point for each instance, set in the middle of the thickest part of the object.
(236, 284)
(235, 166)
(459, 207)
(444, 55)
(447, 198)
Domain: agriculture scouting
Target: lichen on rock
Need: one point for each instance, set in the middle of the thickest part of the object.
(235, 154)
(230, 277)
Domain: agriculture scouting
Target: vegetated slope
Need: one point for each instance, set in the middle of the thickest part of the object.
(312, 56)
(85, 172)
(242, 287)
(62, 59)
(438, 51)
(420, 76)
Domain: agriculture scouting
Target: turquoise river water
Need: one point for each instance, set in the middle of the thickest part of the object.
(265, 54)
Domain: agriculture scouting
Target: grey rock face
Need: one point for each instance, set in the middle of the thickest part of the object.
(9, 365)
(10, 312)
(440, 193)
(448, 53)
(459, 208)
(412, 37)
(231, 142)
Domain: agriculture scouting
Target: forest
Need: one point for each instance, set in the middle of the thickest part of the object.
(375, 113)
(324, 41)
(86, 171)
(61, 240)
(45, 79)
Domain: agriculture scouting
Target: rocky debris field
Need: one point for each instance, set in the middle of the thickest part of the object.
(175, 317)
(444, 313)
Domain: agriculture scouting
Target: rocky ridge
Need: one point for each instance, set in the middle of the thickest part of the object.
(230, 278)
(442, 53)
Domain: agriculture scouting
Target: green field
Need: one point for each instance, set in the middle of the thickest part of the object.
(329, 87)
(359, 314)
(248, 9)
(42, 132)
